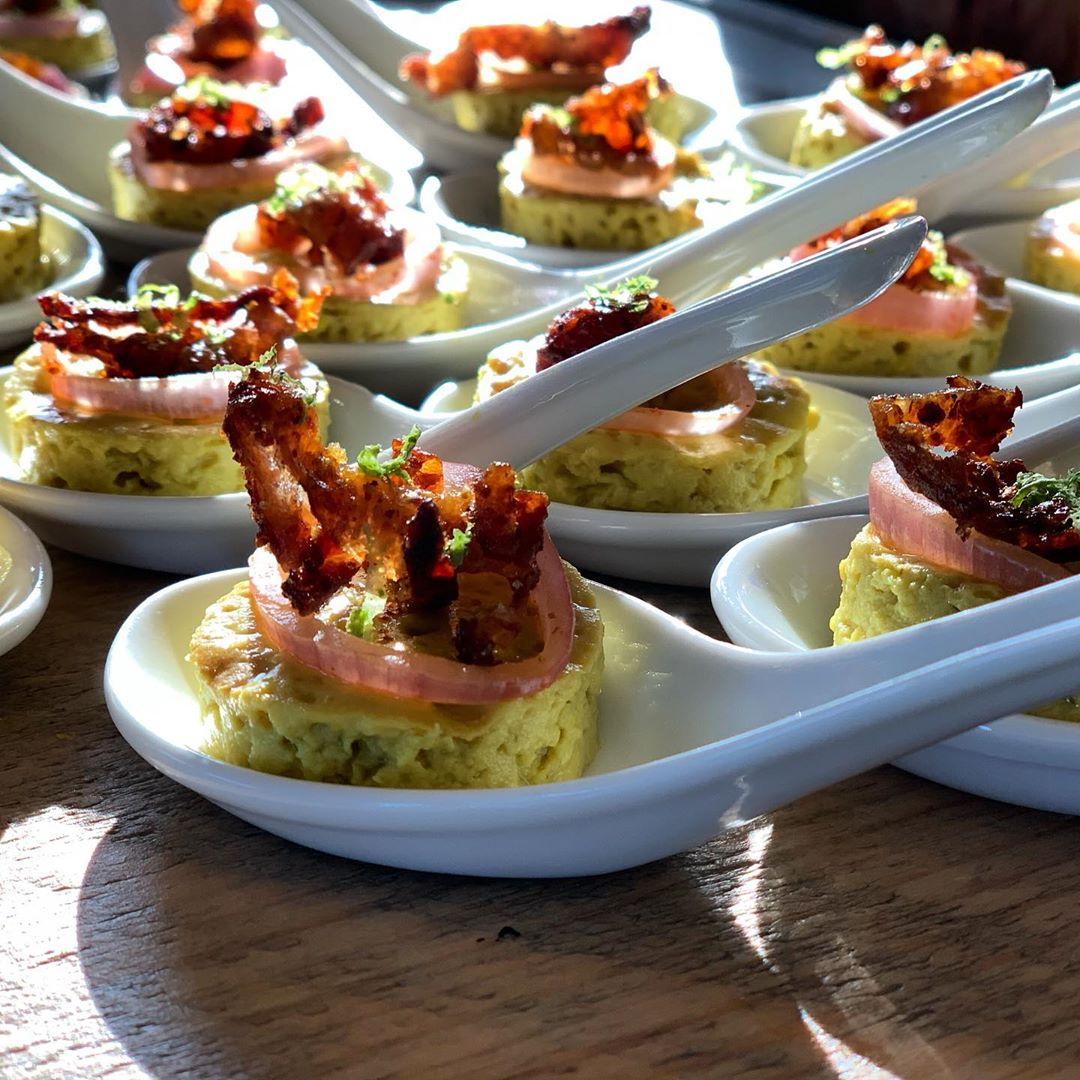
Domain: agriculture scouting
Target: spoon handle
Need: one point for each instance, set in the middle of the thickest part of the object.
(915, 708)
(792, 681)
(358, 26)
(549, 408)
(905, 164)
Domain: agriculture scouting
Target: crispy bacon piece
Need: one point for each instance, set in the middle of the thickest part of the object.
(342, 228)
(210, 129)
(968, 422)
(913, 82)
(222, 32)
(605, 126)
(544, 47)
(326, 520)
(596, 321)
(163, 339)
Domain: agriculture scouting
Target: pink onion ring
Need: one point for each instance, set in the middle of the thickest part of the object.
(915, 525)
(864, 120)
(194, 396)
(416, 676)
(733, 386)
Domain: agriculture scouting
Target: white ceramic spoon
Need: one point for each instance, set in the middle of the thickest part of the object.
(509, 300)
(466, 206)
(189, 534)
(775, 593)
(765, 132)
(25, 581)
(76, 267)
(357, 43)
(61, 146)
(696, 735)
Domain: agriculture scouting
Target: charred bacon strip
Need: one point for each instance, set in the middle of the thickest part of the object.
(334, 220)
(605, 125)
(606, 314)
(599, 45)
(157, 339)
(222, 32)
(913, 81)
(202, 125)
(968, 422)
(326, 520)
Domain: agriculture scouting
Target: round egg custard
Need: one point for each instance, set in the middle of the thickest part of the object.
(265, 711)
(884, 590)
(1052, 253)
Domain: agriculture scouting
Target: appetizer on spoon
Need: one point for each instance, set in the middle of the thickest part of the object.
(384, 269)
(210, 148)
(127, 399)
(948, 533)
(695, 735)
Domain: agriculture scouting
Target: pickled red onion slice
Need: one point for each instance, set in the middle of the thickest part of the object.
(733, 386)
(915, 525)
(200, 395)
(416, 676)
(864, 120)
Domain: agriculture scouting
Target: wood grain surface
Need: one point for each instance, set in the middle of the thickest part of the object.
(883, 928)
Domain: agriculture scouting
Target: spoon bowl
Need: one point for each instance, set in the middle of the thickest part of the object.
(25, 581)
(696, 736)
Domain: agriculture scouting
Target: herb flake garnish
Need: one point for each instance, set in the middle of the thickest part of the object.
(632, 293)
(457, 547)
(1034, 489)
(368, 458)
(361, 621)
(941, 269)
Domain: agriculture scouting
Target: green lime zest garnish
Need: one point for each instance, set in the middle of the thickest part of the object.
(368, 458)
(1033, 489)
(361, 621)
(632, 293)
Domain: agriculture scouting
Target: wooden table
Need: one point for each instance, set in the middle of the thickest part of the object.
(885, 927)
